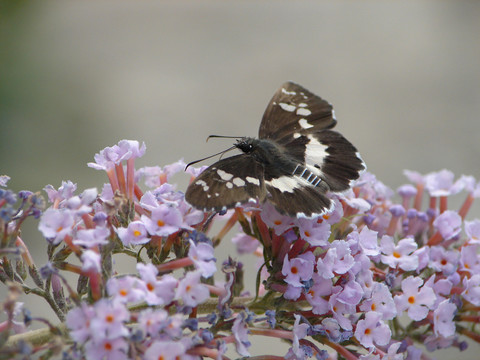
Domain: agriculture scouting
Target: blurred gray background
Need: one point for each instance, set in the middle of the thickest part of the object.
(404, 78)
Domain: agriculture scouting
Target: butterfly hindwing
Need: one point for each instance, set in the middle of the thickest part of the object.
(227, 183)
(294, 109)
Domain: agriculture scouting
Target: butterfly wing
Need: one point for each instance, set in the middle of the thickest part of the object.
(227, 183)
(300, 122)
(293, 109)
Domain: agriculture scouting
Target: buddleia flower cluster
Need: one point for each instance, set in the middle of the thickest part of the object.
(382, 276)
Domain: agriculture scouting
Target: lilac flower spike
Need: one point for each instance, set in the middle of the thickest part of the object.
(351, 273)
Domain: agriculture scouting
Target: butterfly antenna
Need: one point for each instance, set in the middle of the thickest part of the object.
(208, 157)
(224, 136)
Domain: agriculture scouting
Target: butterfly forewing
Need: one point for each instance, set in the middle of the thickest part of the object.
(227, 183)
(293, 109)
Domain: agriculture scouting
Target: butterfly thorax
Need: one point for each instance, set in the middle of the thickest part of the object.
(269, 154)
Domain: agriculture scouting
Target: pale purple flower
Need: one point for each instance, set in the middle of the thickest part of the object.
(191, 291)
(416, 299)
(245, 244)
(351, 293)
(392, 352)
(90, 238)
(106, 349)
(202, 256)
(352, 201)
(401, 255)
(299, 332)
(166, 350)
(343, 259)
(55, 224)
(109, 321)
(314, 232)
(441, 287)
(298, 269)
(165, 220)
(442, 260)
(472, 230)
(341, 311)
(91, 261)
(443, 323)
(372, 331)
(368, 242)
(240, 332)
(64, 192)
(81, 204)
(380, 301)
(125, 289)
(152, 321)
(195, 171)
(274, 220)
(78, 322)
(315, 296)
(107, 158)
(331, 329)
(441, 183)
(470, 259)
(448, 223)
(414, 177)
(472, 289)
(134, 234)
(325, 265)
(107, 193)
(131, 149)
(157, 291)
(407, 191)
(155, 175)
(4, 180)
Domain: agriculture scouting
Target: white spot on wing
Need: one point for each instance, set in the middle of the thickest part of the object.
(253, 180)
(285, 183)
(229, 185)
(238, 182)
(285, 91)
(287, 107)
(315, 153)
(224, 175)
(303, 111)
(305, 124)
(302, 105)
(203, 184)
(296, 135)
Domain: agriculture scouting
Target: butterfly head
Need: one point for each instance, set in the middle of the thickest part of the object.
(246, 144)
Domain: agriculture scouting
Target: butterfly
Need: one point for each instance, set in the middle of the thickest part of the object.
(296, 160)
